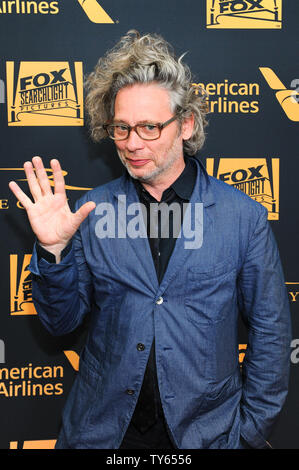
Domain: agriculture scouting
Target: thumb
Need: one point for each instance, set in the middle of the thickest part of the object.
(83, 211)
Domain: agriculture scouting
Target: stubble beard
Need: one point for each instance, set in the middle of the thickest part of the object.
(173, 154)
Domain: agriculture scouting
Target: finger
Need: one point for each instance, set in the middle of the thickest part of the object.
(32, 181)
(41, 175)
(83, 211)
(58, 177)
(20, 195)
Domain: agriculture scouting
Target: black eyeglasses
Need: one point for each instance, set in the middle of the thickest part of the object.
(146, 131)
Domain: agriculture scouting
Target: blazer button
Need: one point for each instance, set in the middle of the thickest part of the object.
(130, 391)
(159, 301)
(140, 347)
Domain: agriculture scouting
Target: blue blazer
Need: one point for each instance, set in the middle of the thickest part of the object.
(193, 315)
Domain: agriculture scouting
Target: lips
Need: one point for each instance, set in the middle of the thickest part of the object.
(138, 162)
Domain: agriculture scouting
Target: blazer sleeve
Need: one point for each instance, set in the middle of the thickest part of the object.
(265, 309)
(62, 293)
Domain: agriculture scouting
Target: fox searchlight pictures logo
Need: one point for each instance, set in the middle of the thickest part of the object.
(256, 177)
(44, 93)
(95, 12)
(244, 14)
(21, 302)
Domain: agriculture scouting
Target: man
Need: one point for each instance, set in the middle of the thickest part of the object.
(160, 366)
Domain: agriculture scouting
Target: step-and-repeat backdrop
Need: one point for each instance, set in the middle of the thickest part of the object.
(244, 53)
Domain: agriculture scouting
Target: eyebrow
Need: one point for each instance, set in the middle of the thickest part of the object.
(146, 121)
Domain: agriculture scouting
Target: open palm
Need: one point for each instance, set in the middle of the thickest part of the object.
(49, 215)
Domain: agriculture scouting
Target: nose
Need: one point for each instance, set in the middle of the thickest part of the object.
(134, 142)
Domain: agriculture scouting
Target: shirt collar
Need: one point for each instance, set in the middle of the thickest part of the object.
(182, 186)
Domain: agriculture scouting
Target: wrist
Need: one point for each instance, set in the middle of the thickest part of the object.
(55, 250)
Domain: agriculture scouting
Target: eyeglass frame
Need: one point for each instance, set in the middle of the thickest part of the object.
(160, 126)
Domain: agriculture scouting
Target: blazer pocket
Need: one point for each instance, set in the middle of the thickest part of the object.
(210, 293)
(222, 391)
(83, 396)
(89, 369)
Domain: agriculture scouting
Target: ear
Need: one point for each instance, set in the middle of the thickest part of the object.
(187, 127)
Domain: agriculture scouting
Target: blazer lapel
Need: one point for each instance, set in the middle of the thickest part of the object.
(202, 196)
(126, 196)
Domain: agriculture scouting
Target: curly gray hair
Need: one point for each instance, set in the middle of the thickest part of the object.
(144, 59)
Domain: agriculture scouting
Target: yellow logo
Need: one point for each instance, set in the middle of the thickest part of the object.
(95, 12)
(44, 93)
(244, 14)
(256, 177)
(231, 97)
(293, 290)
(26, 7)
(288, 99)
(242, 352)
(20, 287)
(73, 359)
(31, 381)
(4, 203)
(40, 444)
(50, 177)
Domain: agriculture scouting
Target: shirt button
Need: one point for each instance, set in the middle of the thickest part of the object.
(159, 301)
(140, 347)
(130, 391)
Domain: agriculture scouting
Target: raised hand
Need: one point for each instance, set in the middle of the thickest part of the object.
(49, 215)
